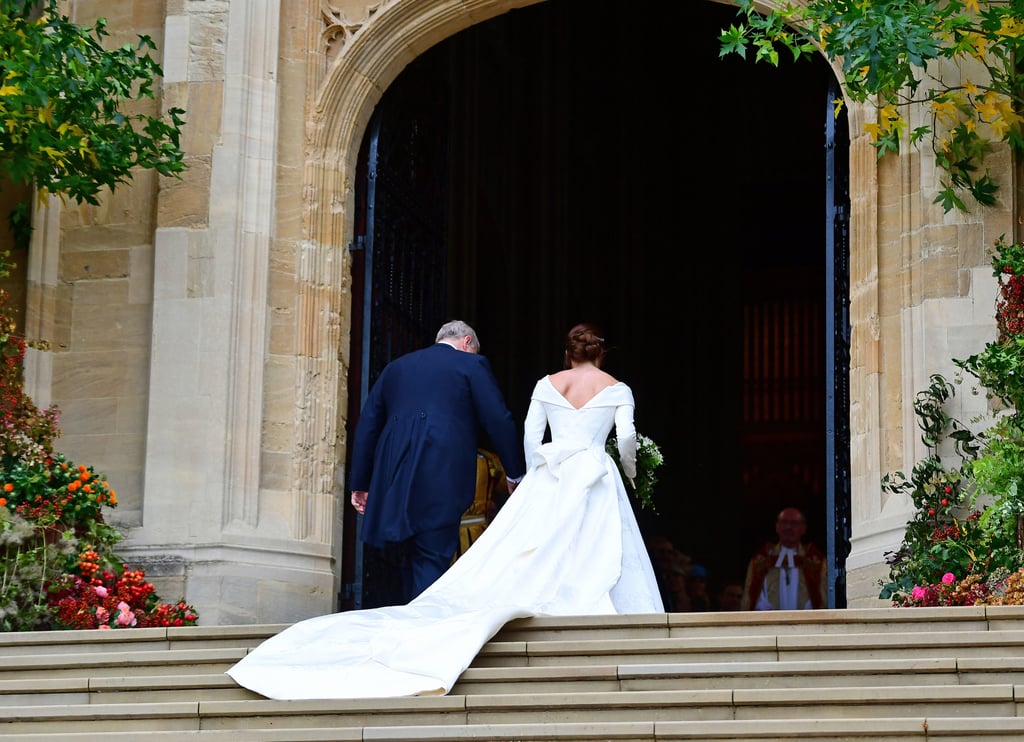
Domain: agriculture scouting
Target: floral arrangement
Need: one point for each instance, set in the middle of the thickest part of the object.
(648, 459)
(58, 568)
(54, 491)
(105, 600)
(1001, 588)
(969, 516)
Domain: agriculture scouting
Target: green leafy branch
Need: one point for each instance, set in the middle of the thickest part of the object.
(956, 57)
(63, 120)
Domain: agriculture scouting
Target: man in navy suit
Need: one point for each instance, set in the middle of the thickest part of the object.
(414, 459)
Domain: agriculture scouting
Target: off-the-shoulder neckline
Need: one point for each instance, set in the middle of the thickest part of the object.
(562, 396)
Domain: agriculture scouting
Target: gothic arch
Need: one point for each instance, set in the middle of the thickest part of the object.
(361, 63)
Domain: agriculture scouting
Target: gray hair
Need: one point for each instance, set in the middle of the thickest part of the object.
(457, 329)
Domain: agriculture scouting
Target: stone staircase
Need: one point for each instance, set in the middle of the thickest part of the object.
(951, 674)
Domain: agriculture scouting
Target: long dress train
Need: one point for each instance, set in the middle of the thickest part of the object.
(565, 543)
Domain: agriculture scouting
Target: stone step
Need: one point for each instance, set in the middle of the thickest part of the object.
(117, 664)
(21, 643)
(211, 686)
(774, 623)
(580, 652)
(732, 675)
(877, 674)
(752, 648)
(910, 729)
(650, 707)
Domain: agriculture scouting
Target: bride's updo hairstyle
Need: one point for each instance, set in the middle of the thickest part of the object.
(584, 343)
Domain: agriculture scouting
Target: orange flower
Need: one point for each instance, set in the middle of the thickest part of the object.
(3, 501)
(8, 487)
(74, 486)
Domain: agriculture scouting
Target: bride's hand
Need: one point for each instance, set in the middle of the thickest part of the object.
(359, 501)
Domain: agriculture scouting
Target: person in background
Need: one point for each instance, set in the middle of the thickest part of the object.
(697, 588)
(670, 568)
(676, 571)
(729, 596)
(788, 574)
(414, 460)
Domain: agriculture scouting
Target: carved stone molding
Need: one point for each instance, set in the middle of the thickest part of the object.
(341, 19)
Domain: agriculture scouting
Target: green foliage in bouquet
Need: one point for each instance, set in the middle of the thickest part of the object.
(648, 460)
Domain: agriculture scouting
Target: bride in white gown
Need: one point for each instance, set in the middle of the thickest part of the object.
(565, 543)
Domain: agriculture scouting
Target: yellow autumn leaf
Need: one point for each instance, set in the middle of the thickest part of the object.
(1010, 27)
(981, 46)
(890, 118)
(874, 130)
(986, 106)
(999, 127)
(55, 154)
(837, 106)
(9, 90)
(945, 110)
(45, 114)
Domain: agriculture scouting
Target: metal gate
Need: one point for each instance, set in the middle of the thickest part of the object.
(837, 340)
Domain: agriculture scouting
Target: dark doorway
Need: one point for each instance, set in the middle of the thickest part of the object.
(676, 198)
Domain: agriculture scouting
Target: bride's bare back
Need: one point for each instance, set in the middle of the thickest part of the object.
(581, 383)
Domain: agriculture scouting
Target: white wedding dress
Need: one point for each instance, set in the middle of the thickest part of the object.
(565, 543)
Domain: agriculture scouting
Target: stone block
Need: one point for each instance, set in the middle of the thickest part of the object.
(186, 202)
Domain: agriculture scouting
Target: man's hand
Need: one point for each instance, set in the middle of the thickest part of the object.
(359, 501)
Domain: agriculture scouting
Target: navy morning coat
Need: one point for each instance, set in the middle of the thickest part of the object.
(416, 441)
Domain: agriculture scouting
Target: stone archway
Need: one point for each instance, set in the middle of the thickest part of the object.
(347, 99)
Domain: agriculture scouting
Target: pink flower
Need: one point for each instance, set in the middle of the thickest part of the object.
(102, 615)
(103, 627)
(125, 617)
(948, 579)
(918, 592)
(101, 591)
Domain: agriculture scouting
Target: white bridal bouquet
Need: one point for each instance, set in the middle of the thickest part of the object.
(648, 459)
